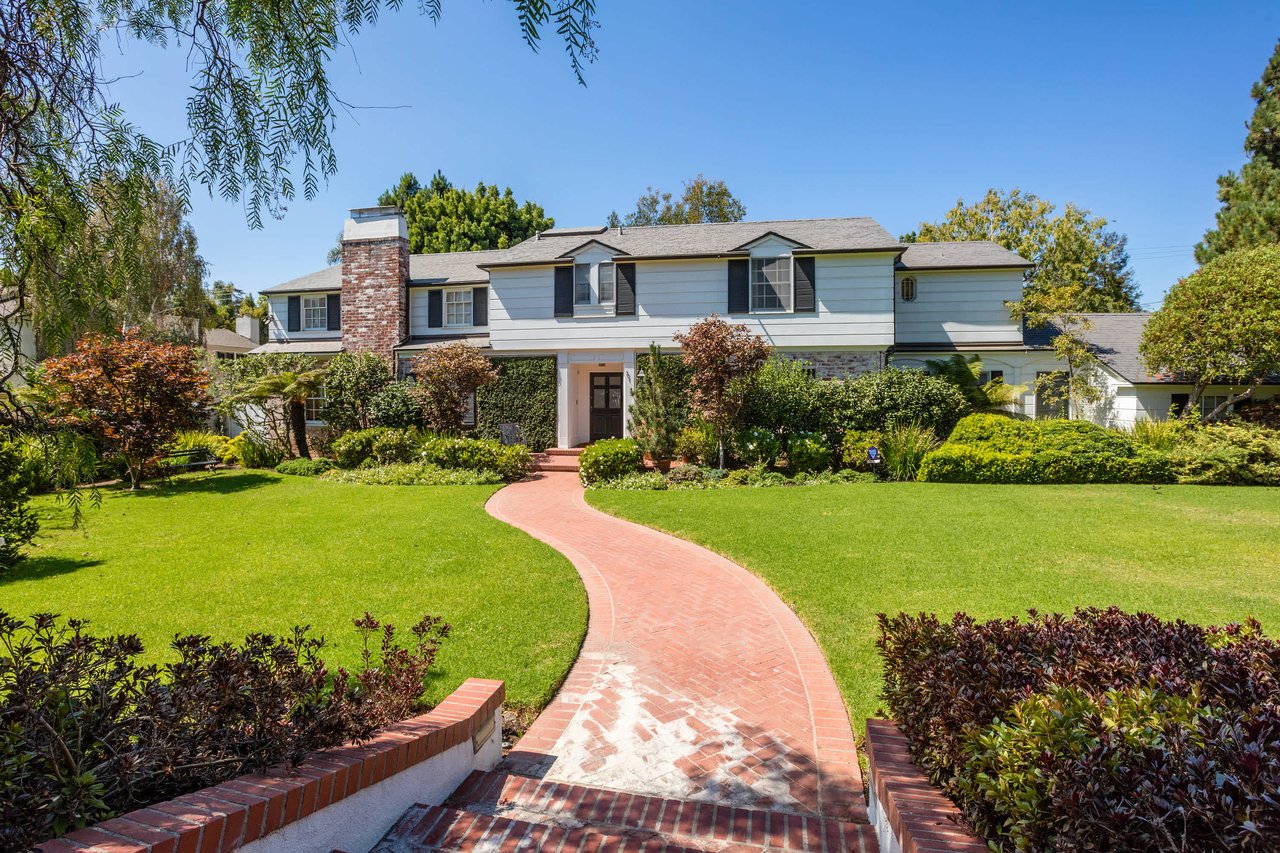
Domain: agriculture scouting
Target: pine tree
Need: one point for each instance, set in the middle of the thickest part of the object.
(655, 418)
(1250, 214)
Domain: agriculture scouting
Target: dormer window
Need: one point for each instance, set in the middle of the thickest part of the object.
(594, 284)
(771, 284)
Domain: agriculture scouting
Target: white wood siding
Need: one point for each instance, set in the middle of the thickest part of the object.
(959, 306)
(418, 314)
(279, 325)
(855, 307)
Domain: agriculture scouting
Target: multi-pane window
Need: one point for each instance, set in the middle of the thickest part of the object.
(771, 284)
(1209, 402)
(457, 307)
(582, 284)
(315, 313)
(314, 406)
(606, 288)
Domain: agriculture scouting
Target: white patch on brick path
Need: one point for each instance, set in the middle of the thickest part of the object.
(699, 752)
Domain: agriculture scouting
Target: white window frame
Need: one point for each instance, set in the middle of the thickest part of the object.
(470, 303)
(1206, 408)
(600, 282)
(315, 306)
(589, 296)
(788, 263)
(313, 406)
(582, 291)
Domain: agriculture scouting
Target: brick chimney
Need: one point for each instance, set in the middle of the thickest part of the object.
(375, 276)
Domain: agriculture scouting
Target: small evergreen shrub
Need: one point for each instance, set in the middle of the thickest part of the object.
(757, 446)
(18, 523)
(395, 446)
(352, 448)
(904, 447)
(305, 467)
(874, 401)
(689, 474)
(1231, 453)
(393, 406)
(212, 443)
(782, 397)
(1160, 436)
(808, 452)
(252, 451)
(478, 454)
(609, 459)
(414, 474)
(696, 443)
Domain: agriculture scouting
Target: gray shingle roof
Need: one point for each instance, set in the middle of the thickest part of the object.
(441, 268)
(978, 254)
(1114, 339)
(225, 340)
(857, 234)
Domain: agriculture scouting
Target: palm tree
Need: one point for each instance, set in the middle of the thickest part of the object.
(966, 374)
(292, 387)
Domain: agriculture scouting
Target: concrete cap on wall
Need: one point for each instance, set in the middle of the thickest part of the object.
(375, 223)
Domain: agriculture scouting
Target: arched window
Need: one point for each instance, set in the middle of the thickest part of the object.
(908, 286)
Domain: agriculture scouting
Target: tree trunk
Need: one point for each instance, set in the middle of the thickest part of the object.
(298, 418)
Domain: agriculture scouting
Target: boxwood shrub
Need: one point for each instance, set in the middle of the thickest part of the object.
(478, 454)
(609, 460)
(352, 448)
(1102, 730)
(305, 467)
(988, 448)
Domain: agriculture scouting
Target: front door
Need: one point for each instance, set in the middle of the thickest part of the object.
(606, 405)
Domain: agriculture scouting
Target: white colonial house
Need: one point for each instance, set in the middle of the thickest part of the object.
(842, 294)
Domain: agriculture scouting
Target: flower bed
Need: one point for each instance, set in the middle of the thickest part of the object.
(1100, 730)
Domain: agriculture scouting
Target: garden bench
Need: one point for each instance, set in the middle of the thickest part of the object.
(182, 460)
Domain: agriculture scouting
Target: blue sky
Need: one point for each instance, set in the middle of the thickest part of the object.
(805, 108)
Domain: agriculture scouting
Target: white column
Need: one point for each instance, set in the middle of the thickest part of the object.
(628, 390)
(564, 400)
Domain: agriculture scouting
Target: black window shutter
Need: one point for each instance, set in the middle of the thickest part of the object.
(564, 292)
(435, 309)
(479, 306)
(334, 311)
(1178, 404)
(295, 314)
(739, 286)
(806, 285)
(626, 290)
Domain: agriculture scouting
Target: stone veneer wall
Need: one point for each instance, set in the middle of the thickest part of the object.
(375, 305)
(841, 365)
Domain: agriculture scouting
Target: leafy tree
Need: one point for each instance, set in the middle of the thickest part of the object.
(75, 175)
(1074, 249)
(459, 220)
(445, 377)
(18, 524)
(1080, 385)
(228, 302)
(655, 414)
(1250, 214)
(1221, 324)
(965, 372)
(233, 379)
(352, 382)
(291, 388)
(702, 201)
(720, 357)
(132, 394)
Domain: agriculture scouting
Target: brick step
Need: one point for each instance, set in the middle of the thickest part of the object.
(555, 466)
(564, 451)
(435, 829)
(682, 822)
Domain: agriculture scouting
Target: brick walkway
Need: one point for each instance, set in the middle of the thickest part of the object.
(695, 681)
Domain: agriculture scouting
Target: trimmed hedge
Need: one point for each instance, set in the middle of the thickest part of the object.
(478, 454)
(524, 394)
(1103, 730)
(989, 448)
(304, 467)
(609, 460)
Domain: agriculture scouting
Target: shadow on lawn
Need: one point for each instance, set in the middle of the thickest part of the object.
(40, 567)
(218, 483)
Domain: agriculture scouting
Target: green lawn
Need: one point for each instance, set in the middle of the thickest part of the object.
(841, 554)
(227, 554)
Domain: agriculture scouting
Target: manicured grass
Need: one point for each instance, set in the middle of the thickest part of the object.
(841, 554)
(228, 554)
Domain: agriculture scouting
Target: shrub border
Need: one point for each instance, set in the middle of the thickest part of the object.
(242, 810)
(903, 803)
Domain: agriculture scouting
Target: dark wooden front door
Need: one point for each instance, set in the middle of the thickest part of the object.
(606, 405)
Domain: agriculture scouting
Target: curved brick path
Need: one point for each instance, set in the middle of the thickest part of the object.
(695, 681)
